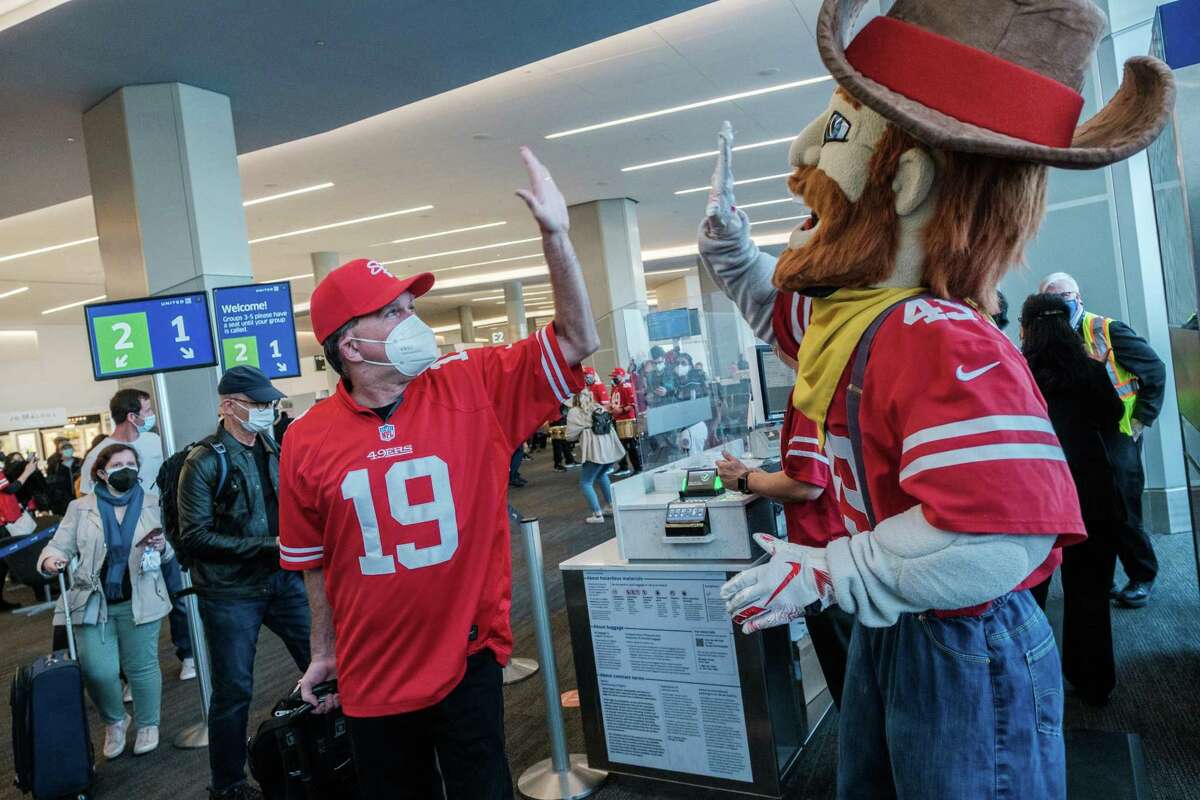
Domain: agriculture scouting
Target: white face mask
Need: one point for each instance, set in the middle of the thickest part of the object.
(410, 347)
(681, 371)
(260, 419)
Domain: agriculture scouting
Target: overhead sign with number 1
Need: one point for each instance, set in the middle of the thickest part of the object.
(149, 334)
(256, 328)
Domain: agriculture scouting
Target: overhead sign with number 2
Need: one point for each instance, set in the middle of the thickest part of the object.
(149, 334)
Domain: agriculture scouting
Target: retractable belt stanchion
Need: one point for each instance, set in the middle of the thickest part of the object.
(518, 669)
(196, 735)
(563, 776)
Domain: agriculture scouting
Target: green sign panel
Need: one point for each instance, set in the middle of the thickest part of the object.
(241, 351)
(123, 342)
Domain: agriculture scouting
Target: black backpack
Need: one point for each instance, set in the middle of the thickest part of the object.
(298, 755)
(168, 489)
(602, 422)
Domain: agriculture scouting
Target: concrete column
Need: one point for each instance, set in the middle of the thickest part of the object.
(605, 235)
(514, 307)
(323, 263)
(168, 205)
(466, 324)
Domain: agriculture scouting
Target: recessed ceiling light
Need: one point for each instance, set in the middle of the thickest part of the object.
(778, 219)
(49, 249)
(341, 224)
(743, 182)
(689, 106)
(319, 42)
(70, 140)
(495, 277)
(462, 250)
(12, 292)
(707, 154)
(769, 71)
(292, 193)
(74, 305)
(480, 137)
(691, 250)
(442, 233)
(769, 202)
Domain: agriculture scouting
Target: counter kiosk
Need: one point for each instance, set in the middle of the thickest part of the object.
(668, 688)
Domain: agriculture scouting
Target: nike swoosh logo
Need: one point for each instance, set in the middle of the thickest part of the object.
(965, 376)
(786, 580)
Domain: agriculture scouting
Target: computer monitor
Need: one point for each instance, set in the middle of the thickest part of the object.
(777, 380)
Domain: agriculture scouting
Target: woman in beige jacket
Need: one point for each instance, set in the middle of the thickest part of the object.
(598, 450)
(117, 597)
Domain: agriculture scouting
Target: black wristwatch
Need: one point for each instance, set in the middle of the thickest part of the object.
(743, 482)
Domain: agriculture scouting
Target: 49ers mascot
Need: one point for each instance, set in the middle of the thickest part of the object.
(926, 177)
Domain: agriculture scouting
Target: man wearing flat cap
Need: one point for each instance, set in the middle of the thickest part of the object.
(229, 531)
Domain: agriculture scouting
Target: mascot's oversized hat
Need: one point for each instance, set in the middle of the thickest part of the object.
(995, 77)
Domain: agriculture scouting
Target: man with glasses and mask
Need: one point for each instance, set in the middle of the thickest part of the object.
(393, 496)
(1139, 378)
(229, 531)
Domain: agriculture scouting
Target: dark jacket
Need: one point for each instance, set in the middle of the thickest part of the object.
(1136, 355)
(227, 539)
(1084, 417)
(60, 482)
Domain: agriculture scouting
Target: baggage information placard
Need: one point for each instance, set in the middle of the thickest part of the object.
(256, 328)
(149, 334)
(667, 670)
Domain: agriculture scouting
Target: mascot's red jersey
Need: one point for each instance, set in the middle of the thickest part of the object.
(408, 518)
(961, 428)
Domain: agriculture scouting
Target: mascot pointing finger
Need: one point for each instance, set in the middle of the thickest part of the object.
(926, 177)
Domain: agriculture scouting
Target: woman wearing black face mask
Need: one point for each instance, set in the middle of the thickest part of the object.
(117, 597)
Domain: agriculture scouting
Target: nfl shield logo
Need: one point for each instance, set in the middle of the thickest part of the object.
(387, 433)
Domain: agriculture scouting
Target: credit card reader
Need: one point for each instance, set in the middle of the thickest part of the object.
(701, 483)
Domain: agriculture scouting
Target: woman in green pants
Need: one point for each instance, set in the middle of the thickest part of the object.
(117, 597)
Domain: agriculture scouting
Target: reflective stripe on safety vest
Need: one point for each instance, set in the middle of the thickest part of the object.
(1097, 340)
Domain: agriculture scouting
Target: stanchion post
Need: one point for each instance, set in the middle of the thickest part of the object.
(518, 669)
(196, 735)
(563, 776)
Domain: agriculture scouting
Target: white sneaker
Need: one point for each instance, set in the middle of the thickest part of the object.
(126, 693)
(147, 740)
(114, 738)
(187, 669)
(606, 511)
(594, 519)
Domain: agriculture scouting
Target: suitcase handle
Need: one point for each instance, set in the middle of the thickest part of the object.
(321, 690)
(62, 587)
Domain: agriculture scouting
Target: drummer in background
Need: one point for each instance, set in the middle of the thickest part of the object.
(564, 451)
(624, 411)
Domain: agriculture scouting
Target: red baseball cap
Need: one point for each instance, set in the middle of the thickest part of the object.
(618, 372)
(356, 288)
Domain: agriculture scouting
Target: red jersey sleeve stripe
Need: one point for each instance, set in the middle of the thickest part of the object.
(981, 453)
(804, 440)
(807, 454)
(313, 559)
(552, 366)
(970, 427)
(300, 551)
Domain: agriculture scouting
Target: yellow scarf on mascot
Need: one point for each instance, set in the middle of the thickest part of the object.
(835, 325)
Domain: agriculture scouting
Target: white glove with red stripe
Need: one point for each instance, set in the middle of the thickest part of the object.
(793, 583)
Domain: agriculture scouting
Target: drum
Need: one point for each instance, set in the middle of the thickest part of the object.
(627, 428)
(558, 431)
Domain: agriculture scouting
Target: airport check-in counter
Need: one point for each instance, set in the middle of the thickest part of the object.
(669, 689)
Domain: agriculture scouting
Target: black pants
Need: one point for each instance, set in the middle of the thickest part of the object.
(1132, 542)
(564, 452)
(830, 632)
(1087, 647)
(457, 744)
(633, 455)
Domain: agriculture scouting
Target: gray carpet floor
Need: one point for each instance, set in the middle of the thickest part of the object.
(1158, 659)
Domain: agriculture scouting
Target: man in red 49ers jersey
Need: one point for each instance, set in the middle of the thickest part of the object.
(393, 502)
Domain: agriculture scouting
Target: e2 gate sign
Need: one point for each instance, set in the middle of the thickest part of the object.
(151, 334)
(256, 328)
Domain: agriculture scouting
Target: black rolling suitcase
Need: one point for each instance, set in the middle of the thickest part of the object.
(52, 746)
(298, 755)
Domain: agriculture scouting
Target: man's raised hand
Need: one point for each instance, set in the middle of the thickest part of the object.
(545, 201)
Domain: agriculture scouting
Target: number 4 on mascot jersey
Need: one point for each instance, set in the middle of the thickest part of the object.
(926, 177)
(407, 515)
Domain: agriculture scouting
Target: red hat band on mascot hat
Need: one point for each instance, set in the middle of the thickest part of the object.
(356, 288)
(936, 72)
